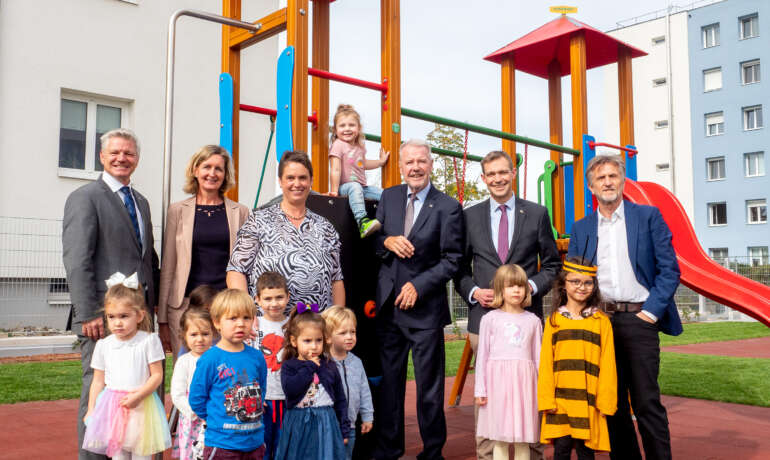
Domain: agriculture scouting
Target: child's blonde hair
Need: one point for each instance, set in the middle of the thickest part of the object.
(335, 316)
(507, 276)
(232, 301)
(120, 294)
(344, 110)
(293, 328)
(194, 316)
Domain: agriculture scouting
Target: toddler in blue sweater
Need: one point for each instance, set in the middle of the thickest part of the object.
(228, 385)
(341, 330)
(315, 425)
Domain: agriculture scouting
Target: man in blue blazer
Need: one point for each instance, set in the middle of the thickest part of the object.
(420, 246)
(638, 275)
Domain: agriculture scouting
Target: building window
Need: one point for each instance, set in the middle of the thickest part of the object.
(715, 124)
(757, 255)
(661, 124)
(719, 255)
(717, 214)
(749, 26)
(659, 40)
(715, 168)
(756, 211)
(712, 79)
(84, 118)
(710, 35)
(752, 117)
(659, 81)
(750, 72)
(754, 164)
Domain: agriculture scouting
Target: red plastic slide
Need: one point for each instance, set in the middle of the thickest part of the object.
(699, 272)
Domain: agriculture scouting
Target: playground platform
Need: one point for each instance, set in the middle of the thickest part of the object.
(700, 429)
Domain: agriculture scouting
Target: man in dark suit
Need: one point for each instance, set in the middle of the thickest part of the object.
(638, 275)
(503, 229)
(420, 245)
(107, 229)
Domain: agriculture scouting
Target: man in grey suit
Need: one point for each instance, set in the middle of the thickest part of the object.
(107, 229)
(501, 230)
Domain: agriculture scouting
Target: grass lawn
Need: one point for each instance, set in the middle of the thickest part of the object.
(739, 380)
(715, 332)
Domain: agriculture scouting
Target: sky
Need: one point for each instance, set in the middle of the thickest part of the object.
(443, 44)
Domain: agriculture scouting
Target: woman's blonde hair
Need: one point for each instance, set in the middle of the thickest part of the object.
(231, 301)
(335, 316)
(203, 154)
(344, 110)
(133, 298)
(507, 276)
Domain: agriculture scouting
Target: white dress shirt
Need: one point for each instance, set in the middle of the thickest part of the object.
(115, 185)
(617, 280)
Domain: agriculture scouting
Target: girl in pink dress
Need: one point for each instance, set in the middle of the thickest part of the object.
(506, 367)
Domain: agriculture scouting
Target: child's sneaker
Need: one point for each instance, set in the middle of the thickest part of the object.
(368, 226)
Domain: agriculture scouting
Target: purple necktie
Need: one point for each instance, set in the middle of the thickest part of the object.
(502, 235)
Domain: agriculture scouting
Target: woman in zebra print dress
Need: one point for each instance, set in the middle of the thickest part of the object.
(292, 240)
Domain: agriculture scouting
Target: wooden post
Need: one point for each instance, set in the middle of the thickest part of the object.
(390, 43)
(231, 63)
(508, 93)
(626, 96)
(296, 36)
(555, 127)
(577, 58)
(320, 97)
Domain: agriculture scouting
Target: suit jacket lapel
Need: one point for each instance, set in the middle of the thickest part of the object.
(401, 210)
(518, 224)
(188, 222)
(486, 224)
(231, 208)
(425, 210)
(632, 231)
(120, 208)
(590, 247)
(144, 206)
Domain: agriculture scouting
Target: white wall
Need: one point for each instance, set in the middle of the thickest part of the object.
(118, 49)
(651, 104)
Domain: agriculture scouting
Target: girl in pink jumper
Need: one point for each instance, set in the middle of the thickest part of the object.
(506, 367)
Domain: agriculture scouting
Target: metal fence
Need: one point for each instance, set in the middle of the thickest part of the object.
(34, 291)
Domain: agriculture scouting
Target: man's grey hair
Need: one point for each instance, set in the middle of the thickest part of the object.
(120, 132)
(603, 159)
(415, 143)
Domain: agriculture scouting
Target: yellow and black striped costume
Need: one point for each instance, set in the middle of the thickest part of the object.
(577, 378)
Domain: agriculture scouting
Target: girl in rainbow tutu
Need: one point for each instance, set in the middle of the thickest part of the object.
(125, 418)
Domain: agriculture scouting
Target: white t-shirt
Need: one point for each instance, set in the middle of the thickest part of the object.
(180, 383)
(270, 341)
(126, 364)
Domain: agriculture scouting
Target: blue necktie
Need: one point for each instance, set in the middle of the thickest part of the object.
(128, 201)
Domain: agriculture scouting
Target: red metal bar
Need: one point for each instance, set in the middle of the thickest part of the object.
(265, 111)
(631, 152)
(382, 87)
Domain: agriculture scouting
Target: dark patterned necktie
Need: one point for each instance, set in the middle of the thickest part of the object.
(128, 201)
(502, 234)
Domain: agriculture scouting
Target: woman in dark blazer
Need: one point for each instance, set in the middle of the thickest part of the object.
(200, 233)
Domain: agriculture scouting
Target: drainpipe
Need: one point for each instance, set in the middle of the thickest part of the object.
(672, 160)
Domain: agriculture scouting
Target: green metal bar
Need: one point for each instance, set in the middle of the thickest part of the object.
(565, 163)
(439, 151)
(488, 131)
(547, 180)
(264, 165)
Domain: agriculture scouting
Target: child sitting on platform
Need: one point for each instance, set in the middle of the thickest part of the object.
(341, 335)
(347, 157)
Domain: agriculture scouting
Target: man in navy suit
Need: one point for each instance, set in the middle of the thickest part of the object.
(420, 245)
(638, 276)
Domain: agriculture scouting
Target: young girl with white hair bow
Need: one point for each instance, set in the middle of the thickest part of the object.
(126, 418)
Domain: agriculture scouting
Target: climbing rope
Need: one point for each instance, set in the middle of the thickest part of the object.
(460, 181)
(264, 164)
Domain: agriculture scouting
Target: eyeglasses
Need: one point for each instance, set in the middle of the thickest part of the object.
(579, 284)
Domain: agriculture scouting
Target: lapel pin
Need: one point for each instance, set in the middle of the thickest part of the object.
(430, 205)
(521, 211)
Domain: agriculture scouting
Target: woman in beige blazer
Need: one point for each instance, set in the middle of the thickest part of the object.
(200, 233)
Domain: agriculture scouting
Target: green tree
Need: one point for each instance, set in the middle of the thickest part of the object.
(443, 175)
